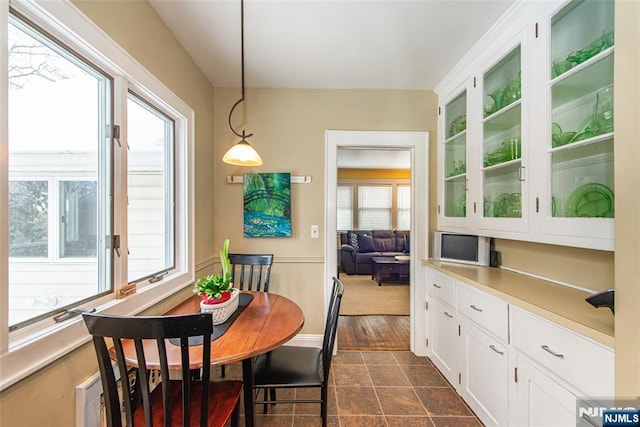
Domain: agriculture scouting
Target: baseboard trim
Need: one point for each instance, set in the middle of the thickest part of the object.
(306, 340)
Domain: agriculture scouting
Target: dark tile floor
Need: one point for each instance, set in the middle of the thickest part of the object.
(372, 389)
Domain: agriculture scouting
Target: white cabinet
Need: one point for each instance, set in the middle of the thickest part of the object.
(501, 152)
(442, 318)
(443, 336)
(485, 310)
(539, 400)
(484, 366)
(575, 195)
(511, 366)
(539, 129)
(453, 160)
(584, 364)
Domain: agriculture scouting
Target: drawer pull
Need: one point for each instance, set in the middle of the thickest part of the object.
(450, 316)
(493, 347)
(476, 308)
(548, 350)
(437, 286)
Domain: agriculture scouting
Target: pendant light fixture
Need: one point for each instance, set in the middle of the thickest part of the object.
(242, 153)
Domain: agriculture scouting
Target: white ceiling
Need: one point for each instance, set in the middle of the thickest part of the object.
(339, 44)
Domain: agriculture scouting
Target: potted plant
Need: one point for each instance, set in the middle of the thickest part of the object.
(217, 292)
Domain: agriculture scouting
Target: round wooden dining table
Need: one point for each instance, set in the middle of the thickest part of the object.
(267, 322)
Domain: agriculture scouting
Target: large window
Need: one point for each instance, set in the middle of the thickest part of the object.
(368, 205)
(97, 190)
(60, 110)
(150, 189)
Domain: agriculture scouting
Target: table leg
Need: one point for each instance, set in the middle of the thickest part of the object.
(247, 379)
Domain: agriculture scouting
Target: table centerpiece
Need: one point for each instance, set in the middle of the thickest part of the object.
(218, 295)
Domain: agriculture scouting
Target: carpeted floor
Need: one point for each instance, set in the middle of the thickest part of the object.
(363, 296)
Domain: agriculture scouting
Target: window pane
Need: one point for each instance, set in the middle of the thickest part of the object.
(59, 153)
(78, 213)
(28, 219)
(374, 207)
(150, 189)
(344, 207)
(404, 207)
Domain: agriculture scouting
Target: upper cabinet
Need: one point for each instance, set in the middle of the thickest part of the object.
(576, 199)
(453, 159)
(500, 155)
(535, 158)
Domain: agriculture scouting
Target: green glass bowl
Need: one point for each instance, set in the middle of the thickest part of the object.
(563, 138)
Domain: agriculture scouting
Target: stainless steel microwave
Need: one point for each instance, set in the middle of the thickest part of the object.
(461, 248)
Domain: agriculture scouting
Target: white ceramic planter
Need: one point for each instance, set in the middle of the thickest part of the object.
(221, 312)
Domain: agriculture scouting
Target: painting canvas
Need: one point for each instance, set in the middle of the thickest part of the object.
(267, 204)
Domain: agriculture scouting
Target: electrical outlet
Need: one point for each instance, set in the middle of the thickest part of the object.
(314, 231)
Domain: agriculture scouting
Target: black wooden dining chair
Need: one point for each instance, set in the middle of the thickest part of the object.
(208, 403)
(301, 367)
(251, 271)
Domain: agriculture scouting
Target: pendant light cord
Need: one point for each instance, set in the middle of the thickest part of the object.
(241, 135)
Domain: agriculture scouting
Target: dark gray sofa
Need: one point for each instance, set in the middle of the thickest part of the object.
(359, 246)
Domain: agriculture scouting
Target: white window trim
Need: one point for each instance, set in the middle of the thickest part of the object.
(34, 350)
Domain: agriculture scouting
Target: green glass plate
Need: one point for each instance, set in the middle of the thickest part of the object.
(591, 201)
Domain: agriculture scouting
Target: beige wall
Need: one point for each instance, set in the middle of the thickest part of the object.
(627, 180)
(587, 268)
(137, 28)
(289, 133)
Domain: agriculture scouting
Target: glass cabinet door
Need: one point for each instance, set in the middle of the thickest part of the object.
(580, 143)
(455, 157)
(502, 171)
(578, 198)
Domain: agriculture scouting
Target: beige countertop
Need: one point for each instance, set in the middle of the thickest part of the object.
(560, 304)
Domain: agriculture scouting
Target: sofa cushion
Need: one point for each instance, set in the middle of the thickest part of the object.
(353, 241)
(366, 244)
(384, 240)
(386, 244)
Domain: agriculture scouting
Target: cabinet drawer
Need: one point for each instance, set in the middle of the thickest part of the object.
(486, 310)
(441, 286)
(586, 365)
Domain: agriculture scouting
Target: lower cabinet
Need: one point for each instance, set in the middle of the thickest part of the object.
(443, 338)
(511, 366)
(539, 400)
(484, 375)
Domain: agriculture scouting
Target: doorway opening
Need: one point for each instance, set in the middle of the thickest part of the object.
(415, 144)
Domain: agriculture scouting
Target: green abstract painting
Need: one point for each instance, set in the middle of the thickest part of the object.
(267, 204)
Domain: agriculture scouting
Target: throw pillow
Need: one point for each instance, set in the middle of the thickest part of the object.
(353, 241)
(407, 247)
(366, 243)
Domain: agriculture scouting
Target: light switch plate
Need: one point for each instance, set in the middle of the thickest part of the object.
(314, 231)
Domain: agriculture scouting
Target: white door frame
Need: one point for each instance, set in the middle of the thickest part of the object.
(418, 144)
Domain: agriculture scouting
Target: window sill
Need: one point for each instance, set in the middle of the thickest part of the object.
(31, 352)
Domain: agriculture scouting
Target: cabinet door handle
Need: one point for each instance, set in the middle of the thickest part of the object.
(493, 347)
(521, 173)
(437, 286)
(450, 316)
(475, 308)
(548, 350)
